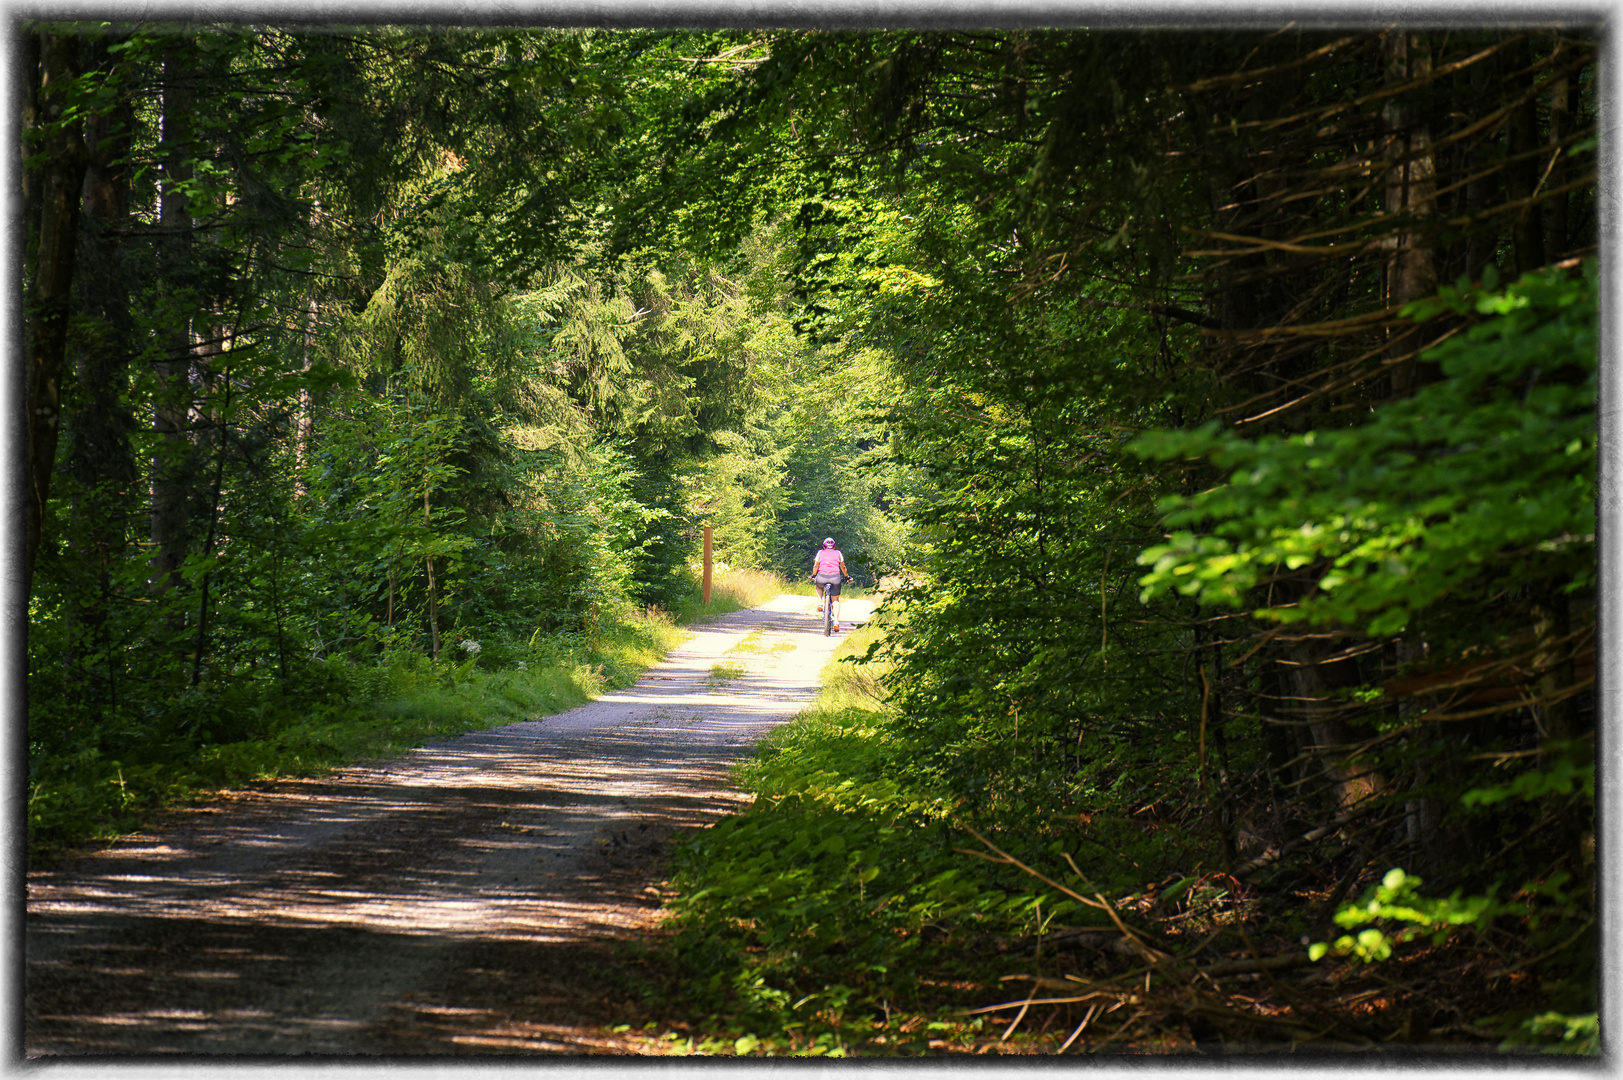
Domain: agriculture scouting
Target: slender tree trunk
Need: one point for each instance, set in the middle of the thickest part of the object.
(1483, 183)
(1422, 812)
(1561, 127)
(433, 596)
(276, 609)
(1563, 733)
(1522, 176)
(174, 463)
(1213, 741)
(1411, 186)
(100, 459)
(1313, 682)
(32, 68)
(215, 492)
(214, 416)
(1280, 745)
(60, 180)
(1552, 622)
(305, 425)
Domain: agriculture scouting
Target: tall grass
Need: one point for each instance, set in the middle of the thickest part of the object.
(847, 684)
(730, 590)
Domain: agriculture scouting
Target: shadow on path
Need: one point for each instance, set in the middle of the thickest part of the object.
(466, 898)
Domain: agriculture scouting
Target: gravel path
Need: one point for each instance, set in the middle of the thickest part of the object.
(461, 899)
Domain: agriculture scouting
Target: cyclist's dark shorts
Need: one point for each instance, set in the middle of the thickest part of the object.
(831, 589)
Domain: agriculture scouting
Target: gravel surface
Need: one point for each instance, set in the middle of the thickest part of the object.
(461, 899)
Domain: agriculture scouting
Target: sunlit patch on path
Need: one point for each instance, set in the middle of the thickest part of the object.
(457, 900)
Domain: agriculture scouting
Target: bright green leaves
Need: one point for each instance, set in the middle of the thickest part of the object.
(852, 259)
(1396, 900)
(1393, 913)
(1489, 473)
(1563, 776)
(1561, 1033)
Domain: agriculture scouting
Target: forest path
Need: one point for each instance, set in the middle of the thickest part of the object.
(460, 899)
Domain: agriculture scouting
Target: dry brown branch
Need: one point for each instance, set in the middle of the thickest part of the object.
(1256, 245)
(1475, 674)
(1519, 703)
(1005, 857)
(1588, 180)
(1332, 328)
(1093, 1010)
(1171, 965)
(1351, 380)
(1119, 1032)
(1019, 1016)
(1250, 76)
(1274, 854)
(1121, 997)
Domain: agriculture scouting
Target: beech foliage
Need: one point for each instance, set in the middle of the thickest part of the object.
(1253, 378)
(1221, 405)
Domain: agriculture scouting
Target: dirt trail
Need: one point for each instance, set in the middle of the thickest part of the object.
(460, 899)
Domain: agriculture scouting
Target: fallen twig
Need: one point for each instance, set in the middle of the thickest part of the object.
(1093, 1010)
(1274, 854)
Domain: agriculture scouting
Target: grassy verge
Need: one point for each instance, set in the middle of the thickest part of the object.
(830, 919)
(361, 712)
(731, 590)
(365, 712)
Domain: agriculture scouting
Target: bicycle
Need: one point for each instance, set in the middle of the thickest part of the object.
(828, 598)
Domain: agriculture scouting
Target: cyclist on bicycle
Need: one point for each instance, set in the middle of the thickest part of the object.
(827, 562)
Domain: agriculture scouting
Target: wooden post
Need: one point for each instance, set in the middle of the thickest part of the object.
(704, 595)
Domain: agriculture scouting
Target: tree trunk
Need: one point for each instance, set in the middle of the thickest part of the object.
(1555, 208)
(60, 179)
(305, 425)
(1411, 186)
(1313, 681)
(1522, 175)
(1483, 183)
(1552, 622)
(174, 463)
(215, 493)
(1563, 732)
(99, 459)
(31, 68)
(1423, 813)
(433, 596)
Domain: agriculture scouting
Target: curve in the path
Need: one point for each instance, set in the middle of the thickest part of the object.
(458, 899)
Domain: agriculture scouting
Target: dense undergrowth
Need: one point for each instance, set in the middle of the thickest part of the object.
(350, 712)
(831, 917)
(858, 908)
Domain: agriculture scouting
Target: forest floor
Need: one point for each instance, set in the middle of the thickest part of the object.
(469, 898)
